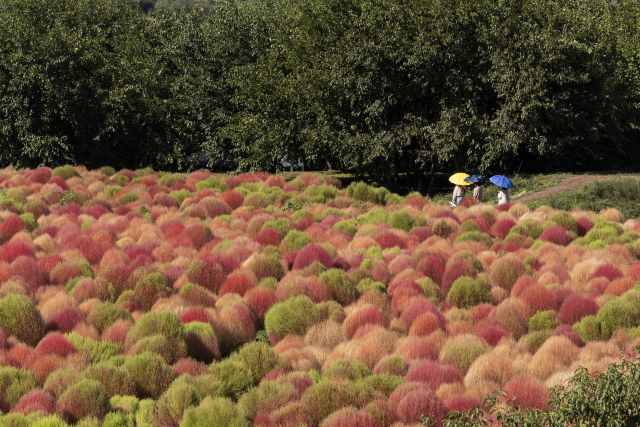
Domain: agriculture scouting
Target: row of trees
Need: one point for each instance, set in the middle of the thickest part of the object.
(376, 87)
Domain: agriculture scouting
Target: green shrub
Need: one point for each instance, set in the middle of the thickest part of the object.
(150, 374)
(116, 380)
(475, 236)
(216, 412)
(281, 224)
(269, 395)
(172, 404)
(348, 226)
(260, 359)
(565, 220)
(128, 198)
(544, 321)
(467, 293)
(368, 284)
(30, 221)
(362, 192)
(65, 172)
(348, 370)
(373, 216)
(322, 194)
(204, 385)
(534, 340)
(15, 420)
(88, 398)
(323, 398)
(171, 179)
(180, 195)
(342, 290)
(95, 351)
(330, 310)
(14, 383)
(201, 340)
(616, 314)
(105, 315)
(234, 374)
(49, 421)
(293, 316)
(20, 317)
(295, 240)
(160, 323)
(151, 288)
(212, 183)
(589, 328)
(401, 219)
(60, 380)
(107, 170)
(384, 382)
(463, 355)
(468, 226)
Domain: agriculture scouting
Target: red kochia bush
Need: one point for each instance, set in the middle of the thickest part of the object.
(537, 298)
(609, 271)
(432, 266)
(28, 268)
(387, 239)
(233, 198)
(206, 273)
(414, 405)
(418, 308)
(555, 234)
(34, 401)
(432, 374)
(195, 315)
(268, 236)
(461, 403)
(55, 343)
(576, 307)
(12, 250)
(237, 282)
(528, 392)
(348, 417)
(584, 225)
(309, 254)
(260, 300)
(190, 366)
(367, 315)
(10, 226)
(455, 270)
(501, 228)
(63, 272)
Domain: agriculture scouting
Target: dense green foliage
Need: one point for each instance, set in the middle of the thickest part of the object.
(376, 88)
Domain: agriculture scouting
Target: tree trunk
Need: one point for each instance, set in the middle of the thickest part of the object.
(456, 163)
(395, 172)
(429, 191)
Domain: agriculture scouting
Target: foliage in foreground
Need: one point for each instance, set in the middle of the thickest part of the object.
(610, 398)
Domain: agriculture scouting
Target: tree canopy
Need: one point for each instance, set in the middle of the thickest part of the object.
(376, 87)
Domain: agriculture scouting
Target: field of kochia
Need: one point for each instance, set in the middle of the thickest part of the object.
(138, 298)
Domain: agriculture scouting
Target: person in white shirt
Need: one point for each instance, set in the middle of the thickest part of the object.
(458, 194)
(503, 196)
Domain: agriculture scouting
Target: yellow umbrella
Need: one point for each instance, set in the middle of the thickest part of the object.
(458, 179)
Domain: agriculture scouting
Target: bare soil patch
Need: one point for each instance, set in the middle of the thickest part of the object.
(567, 183)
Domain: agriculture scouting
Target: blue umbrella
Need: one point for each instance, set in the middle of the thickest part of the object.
(501, 181)
(474, 178)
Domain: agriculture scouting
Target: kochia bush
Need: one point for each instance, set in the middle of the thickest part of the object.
(20, 317)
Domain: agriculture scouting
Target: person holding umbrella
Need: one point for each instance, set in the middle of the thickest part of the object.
(477, 190)
(459, 190)
(504, 183)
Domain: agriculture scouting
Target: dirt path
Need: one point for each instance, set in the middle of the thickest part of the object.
(567, 183)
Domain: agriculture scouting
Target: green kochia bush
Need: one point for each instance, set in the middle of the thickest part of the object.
(268, 396)
(362, 192)
(95, 351)
(20, 317)
(616, 314)
(88, 398)
(212, 183)
(544, 321)
(151, 375)
(151, 288)
(401, 219)
(348, 370)
(293, 316)
(14, 383)
(295, 240)
(116, 380)
(467, 293)
(160, 323)
(204, 385)
(214, 412)
(589, 328)
(235, 376)
(106, 314)
(342, 290)
(260, 359)
(172, 404)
